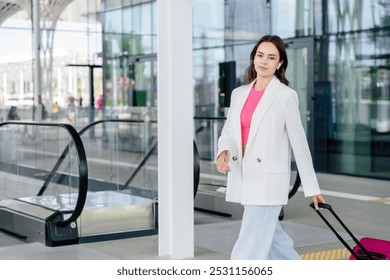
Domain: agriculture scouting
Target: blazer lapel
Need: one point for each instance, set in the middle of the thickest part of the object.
(261, 109)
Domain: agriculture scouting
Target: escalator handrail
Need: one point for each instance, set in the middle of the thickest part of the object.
(196, 168)
(145, 159)
(139, 166)
(210, 118)
(82, 165)
(149, 153)
(94, 123)
(66, 150)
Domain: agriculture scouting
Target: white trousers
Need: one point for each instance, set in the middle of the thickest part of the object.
(262, 236)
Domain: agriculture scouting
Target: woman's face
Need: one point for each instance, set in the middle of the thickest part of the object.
(266, 60)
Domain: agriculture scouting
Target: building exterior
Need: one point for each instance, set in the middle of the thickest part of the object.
(338, 63)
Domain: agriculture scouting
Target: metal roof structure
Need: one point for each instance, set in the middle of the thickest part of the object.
(49, 13)
(7, 9)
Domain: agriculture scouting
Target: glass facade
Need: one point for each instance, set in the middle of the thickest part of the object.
(71, 34)
(339, 53)
(346, 99)
(357, 42)
(129, 46)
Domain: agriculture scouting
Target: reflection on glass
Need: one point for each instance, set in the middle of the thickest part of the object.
(359, 143)
(297, 75)
(346, 15)
(292, 18)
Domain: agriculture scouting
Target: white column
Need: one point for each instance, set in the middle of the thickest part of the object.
(175, 128)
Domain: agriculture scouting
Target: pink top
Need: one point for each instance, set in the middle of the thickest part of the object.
(247, 112)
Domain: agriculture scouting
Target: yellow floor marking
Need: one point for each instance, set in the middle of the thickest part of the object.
(385, 200)
(335, 254)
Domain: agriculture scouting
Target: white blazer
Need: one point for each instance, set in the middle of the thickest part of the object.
(262, 177)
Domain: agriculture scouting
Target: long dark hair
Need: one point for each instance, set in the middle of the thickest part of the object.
(250, 73)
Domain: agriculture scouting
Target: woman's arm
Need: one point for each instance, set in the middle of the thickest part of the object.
(300, 147)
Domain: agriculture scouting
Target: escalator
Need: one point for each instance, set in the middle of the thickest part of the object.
(31, 221)
(126, 207)
(111, 208)
(104, 208)
(114, 209)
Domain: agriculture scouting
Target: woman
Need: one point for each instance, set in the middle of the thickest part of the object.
(263, 124)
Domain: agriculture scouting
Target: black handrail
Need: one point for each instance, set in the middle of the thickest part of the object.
(140, 165)
(82, 164)
(210, 118)
(196, 169)
(147, 156)
(66, 150)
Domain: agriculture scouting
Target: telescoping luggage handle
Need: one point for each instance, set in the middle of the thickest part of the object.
(368, 255)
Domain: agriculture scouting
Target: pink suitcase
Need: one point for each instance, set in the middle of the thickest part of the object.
(379, 249)
(366, 248)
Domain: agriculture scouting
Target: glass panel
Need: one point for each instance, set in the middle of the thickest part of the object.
(144, 83)
(115, 149)
(28, 154)
(154, 28)
(318, 18)
(208, 23)
(138, 28)
(119, 186)
(349, 15)
(113, 21)
(206, 74)
(110, 4)
(224, 31)
(297, 75)
(292, 18)
(132, 34)
(207, 131)
(16, 64)
(75, 38)
(360, 135)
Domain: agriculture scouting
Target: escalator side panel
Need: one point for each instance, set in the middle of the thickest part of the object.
(33, 223)
(24, 227)
(116, 219)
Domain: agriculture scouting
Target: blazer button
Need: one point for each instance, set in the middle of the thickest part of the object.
(234, 158)
(258, 159)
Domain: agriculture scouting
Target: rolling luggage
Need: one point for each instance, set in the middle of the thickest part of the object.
(366, 248)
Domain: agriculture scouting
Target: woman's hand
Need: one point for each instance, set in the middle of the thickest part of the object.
(317, 199)
(223, 162)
